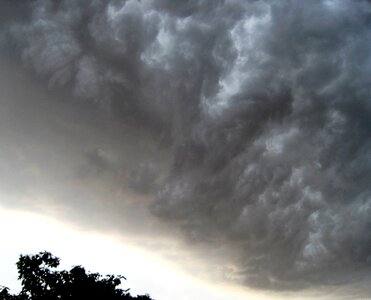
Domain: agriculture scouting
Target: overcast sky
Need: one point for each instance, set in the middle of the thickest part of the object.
(227, 141)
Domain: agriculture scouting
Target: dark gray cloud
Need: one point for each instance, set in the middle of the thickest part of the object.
(264, 106)
(143, 177)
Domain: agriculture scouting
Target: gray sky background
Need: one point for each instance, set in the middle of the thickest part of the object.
(238, 131)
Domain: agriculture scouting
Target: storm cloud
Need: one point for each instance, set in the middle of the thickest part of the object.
(263, 108)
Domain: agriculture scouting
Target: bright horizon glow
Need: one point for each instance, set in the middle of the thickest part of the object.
(24, 232)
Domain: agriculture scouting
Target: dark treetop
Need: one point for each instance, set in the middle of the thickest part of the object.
(41, 281)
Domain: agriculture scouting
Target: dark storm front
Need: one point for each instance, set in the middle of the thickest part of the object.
(263, 107)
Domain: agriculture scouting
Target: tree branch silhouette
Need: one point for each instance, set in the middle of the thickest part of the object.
(41, 281)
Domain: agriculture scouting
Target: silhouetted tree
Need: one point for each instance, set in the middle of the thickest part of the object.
(41, 282)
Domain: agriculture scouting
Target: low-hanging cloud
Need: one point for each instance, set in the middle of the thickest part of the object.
(264, 105)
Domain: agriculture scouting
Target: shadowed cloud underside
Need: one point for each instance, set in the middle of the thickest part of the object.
(242, 125)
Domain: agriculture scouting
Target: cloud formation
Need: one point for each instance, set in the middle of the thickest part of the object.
(264, 106)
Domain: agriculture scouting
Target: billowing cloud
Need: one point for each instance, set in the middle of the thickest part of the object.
(263, 109)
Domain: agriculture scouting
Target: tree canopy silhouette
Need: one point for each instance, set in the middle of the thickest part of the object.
(40, 281)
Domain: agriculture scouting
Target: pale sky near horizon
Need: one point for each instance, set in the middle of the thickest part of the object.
(222, 145)
(32, 221)
(25, 232)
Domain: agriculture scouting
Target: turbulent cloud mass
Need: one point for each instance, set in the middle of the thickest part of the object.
(262, 107)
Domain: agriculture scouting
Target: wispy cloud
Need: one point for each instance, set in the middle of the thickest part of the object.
(245, 125)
